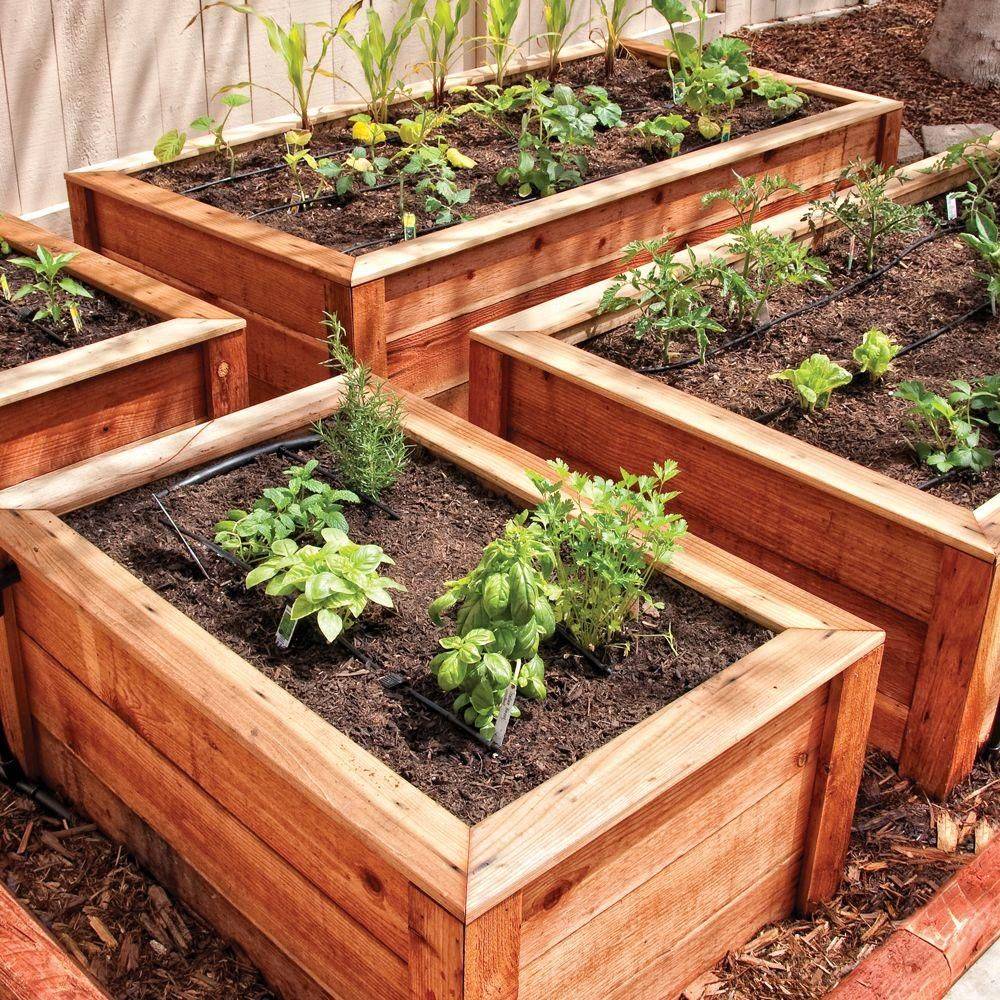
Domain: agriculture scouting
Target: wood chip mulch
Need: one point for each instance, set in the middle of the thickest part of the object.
(903, 848)
(877, 50)
(112, 917)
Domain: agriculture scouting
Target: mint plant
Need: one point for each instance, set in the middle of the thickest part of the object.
(300, 510)
(875, 353)
(59, 290)
(334, 582)
(944, 434)
(607, 538)
(365, 436)
(814, 381)
(504, 611)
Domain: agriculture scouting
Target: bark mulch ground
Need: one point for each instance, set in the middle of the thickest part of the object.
(877, 50)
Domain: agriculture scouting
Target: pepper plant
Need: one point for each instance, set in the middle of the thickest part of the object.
(365, 436)
(59, 290)
(503, 610)
(979, 196)
(944, 433)
(608, 537)
(814, 381)
(875, 353)
(300, 510)
(334, 582)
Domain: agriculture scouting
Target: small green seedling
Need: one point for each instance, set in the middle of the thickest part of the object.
(814, 381)
(662, 132)
(985, 241)
(875, 353)
(206, 123)
(782, 98)
(60, 291)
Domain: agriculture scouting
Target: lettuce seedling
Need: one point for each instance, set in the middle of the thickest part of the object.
(875, 353)
(814, 381)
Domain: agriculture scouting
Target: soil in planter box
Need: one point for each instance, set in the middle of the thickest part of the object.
(22, 340)
(111, 916)
(446, 518)
(903, 849)
(368, 220)
(864, 423)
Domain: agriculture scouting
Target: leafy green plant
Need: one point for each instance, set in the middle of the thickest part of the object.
(979, 196)
(614, 18)
(170, 145)
(504, 611)
(499, 18)
(58, 289)
(431, 168)
(782, 98)
(335, 581)
(206, 123)
(663, 131)
(669, 293)
(750, 195)
(378, 55)
(867, 212)
(365, 436)
(607, 538)
(558, 15)
(814, 381)
(985, 241)
(292, 45)
(987, 398)
(301, 510)
(440, 32)
(944, 433)
(875, 353)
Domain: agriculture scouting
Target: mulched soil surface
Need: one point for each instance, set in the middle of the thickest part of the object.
(22, 340)
(445, 520)
(936, 284)
(877, 50)
(112, 917)
(903, 848)
(373, 216)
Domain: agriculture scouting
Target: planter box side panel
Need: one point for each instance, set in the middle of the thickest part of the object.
(75, 422)
(658, 898)
(430, 309)
(767, 518)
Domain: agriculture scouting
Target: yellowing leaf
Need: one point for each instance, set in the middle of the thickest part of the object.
(459, 160)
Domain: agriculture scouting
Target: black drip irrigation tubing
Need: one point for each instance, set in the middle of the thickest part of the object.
(758, 331)
(309, 202)
(595, 661)
(270, 169)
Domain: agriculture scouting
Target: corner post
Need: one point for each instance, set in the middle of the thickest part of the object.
(489, 372)
(82, 214)
(15, 713)
(889, 134)
(493, 952)
(226, 374)
(361, 308)
(437, 944)
(950, 698)
(838, 775)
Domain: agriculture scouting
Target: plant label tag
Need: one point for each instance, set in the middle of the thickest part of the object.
(4, 287)
(286, 629)
(951, 206)
(679, 90)
(409, 226)
(850, 254)
(74, 315)
(763, 316)
(503, 718)
(727, 131)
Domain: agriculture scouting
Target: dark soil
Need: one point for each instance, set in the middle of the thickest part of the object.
(936, 284)
(900, 855)
(445, 520)
(22, 340)
(877, 50)
(112, 917)
(372, 217)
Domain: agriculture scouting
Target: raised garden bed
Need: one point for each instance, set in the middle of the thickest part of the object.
(626, 872)
(147, 359)
(922, 566)
(408, 308)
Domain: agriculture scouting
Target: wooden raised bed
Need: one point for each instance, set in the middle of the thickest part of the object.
(32, 965)
(922, 568)
(623, 875)
(88, 400)
(409, 308)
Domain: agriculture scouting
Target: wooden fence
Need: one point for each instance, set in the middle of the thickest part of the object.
(82, 81)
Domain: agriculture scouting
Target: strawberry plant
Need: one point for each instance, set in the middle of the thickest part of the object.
(59, 290)
(607, 538)
(875, 353)
(335, 581)
(504, 610)
(944, 434)
(365, 436)
(814, 381)
(987, 399)
(302, 509)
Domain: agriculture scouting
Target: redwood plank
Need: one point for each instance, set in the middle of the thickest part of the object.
(436, 953)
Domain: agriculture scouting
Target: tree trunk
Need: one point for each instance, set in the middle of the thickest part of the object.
(964, 43)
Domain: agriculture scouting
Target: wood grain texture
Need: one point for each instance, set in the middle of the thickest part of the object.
(15, 712)
(32, 965)
(493, 952)
(436, 953)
